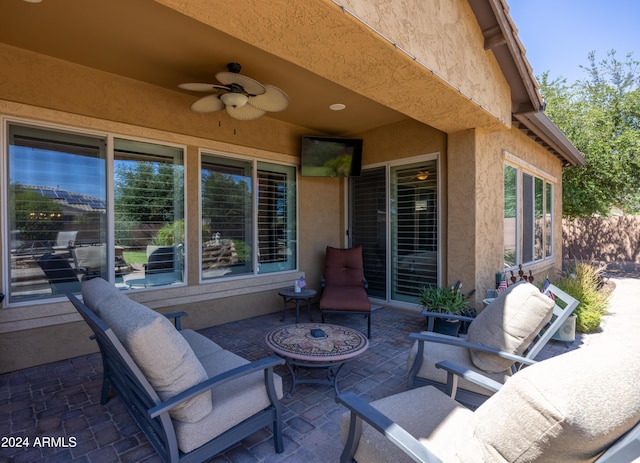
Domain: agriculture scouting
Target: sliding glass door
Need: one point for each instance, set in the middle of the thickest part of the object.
(414, 229)
(394, 216)
(369, 226)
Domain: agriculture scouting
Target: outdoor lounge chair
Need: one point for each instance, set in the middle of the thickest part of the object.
(62, 278)
(344, 285)
(506, 336)
(191, 398)
(578, 407)
(163, 265)
(90, 261)
(64, 240)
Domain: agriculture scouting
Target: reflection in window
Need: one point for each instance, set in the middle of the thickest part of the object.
(548, 221)
(538, 214)
(226, 217)
(229, 218)
(534, 223)
(149, 213)
(276, 218)
(510, 215)
(56, 207)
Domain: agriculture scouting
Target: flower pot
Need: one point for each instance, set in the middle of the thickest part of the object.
(567, 331)
(448, 327)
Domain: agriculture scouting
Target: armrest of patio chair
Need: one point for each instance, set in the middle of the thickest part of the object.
(362, 411)
(177, 316)
(456, 371)
(453, 341)
(267, 364)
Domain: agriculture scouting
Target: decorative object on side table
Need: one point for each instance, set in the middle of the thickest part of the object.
(295, 296)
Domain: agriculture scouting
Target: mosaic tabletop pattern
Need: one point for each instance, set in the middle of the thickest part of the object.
(296, 341)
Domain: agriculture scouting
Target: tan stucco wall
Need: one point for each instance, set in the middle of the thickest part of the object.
(475, 164)
(51, 91)
(444, 37)
(465, 92)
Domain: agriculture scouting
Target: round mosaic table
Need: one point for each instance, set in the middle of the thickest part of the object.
(300, 348)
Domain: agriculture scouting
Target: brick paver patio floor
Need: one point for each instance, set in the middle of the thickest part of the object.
(62, 399)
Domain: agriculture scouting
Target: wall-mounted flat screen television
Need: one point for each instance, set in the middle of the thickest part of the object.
(330, 156)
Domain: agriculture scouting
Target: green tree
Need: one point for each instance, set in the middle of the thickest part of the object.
(226, 201)
(148, 195)
(601, 116)
(38, 218)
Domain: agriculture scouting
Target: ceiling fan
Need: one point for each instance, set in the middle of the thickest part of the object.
(242, 97)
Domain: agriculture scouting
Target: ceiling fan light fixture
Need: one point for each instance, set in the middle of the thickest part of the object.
(422, 175)
(235, 100)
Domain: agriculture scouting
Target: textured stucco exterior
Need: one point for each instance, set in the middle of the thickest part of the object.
(429, 65)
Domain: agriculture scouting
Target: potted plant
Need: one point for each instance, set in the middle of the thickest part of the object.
(443, 300)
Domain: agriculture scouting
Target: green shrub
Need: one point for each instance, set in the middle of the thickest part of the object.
(169, 233)
(442, 300)
(584, 284)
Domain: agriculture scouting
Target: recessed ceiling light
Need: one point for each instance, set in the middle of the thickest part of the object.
(33, 1)
(337, 107)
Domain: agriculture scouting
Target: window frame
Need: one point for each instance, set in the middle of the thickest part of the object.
(109, 226)
(254, 222)
(546, 216)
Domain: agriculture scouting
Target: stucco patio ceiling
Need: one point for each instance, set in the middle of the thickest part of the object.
(329, 59)
(146, 41)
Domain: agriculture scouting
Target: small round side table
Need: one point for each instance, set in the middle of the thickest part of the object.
(289, 295)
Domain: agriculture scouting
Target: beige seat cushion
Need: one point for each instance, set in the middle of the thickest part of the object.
(566, 409)
(233, 402)
(435, 352)
(161, 353)
(509, 323)
(425, 412)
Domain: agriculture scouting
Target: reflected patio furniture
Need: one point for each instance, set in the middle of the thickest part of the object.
(64, 240)
(59, 273)
(344, 285)
(163, 267)
(581, 406)
(506, 336)
(90, 261)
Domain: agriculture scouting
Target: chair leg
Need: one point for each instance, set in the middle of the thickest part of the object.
(322, 313)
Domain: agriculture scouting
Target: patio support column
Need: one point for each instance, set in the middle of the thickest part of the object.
(461, 241)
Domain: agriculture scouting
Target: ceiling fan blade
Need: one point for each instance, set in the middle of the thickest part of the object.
(273, 100)
(207, 104)
(198, 87)
(245, 113)
(252, 87)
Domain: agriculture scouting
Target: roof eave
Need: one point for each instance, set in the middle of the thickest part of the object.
(539, 127)
(501, 37)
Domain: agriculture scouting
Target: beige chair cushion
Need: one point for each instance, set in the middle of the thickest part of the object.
(509, 323)
(566, 409)
(435, 352)
(161, 353)
(425, 412)
(233, 402)
(95, 291)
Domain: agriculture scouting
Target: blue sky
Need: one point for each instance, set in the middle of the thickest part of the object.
(79, 174)
(559, 34)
